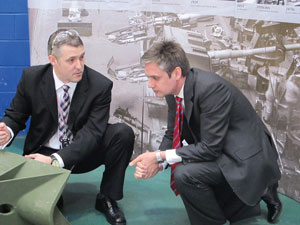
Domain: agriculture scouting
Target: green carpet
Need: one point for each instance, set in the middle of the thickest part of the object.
(145, 202)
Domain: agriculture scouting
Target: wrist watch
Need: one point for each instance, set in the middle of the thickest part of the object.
(54, 161)
(158, 157)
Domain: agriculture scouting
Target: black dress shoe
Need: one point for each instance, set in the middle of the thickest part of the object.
(273, 202)
(109, 207)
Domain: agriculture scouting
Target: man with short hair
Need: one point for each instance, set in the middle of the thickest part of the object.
(222, 157)
(69, 104)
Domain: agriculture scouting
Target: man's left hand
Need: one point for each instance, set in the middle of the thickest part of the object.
(39, 157)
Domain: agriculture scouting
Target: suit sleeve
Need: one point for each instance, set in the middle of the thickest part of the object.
(89, 137)
(214, 106)
(19, 110)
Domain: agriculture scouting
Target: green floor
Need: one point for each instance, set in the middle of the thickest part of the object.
(145, 202)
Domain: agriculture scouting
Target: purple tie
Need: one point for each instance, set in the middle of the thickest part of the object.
(64, 133)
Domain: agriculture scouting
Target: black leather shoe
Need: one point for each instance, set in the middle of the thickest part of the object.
(273, 202)
(109, 207)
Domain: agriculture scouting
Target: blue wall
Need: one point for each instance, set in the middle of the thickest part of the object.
(14, 48)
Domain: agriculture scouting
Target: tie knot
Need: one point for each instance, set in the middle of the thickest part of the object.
(178, 100)
(65, 88)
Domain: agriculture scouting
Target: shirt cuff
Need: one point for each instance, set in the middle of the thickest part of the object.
(172, 157)
(164, 165)
(59, 159)
(11, 137)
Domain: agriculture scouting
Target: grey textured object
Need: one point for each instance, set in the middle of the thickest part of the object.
(29, 191)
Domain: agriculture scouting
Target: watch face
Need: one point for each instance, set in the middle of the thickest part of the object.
(55, 163)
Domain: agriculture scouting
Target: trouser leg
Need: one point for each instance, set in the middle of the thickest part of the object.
(234, 209)
(120, 141)
(115, 153)
(208, 197)
(195, 183)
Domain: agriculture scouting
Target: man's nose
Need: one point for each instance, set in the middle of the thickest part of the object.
(78, 64)
(150, 84)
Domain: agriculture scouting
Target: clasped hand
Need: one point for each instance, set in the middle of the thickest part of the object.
(39, 157)
(4, 134)
(146, 165)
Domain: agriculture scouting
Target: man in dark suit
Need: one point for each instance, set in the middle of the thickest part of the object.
(69, 104)
(226, 161)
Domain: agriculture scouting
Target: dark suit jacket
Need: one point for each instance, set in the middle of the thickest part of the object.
(88, 116)
(225, 128)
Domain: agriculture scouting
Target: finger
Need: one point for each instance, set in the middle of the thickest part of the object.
(133, 162)
(140, 170)
(31, 156)
(2, 125)
(141, 165)
(138, 175)
(3, 134)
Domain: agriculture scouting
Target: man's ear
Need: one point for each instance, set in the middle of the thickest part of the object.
(177, 72)
(52, 59)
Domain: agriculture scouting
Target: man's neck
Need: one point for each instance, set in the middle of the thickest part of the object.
(181, 82)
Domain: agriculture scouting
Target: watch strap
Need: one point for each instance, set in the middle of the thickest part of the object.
(54, 161)
(158, 157)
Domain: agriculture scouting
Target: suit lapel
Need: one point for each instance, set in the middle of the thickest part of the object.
(49, 92)
(188, 100)
(188, 95)
(78, 99)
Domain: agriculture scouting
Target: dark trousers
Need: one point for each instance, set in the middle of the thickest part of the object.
(208, 198)
(114, 152)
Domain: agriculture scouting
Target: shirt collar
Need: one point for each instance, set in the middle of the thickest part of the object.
(180, 95)
(59, 83)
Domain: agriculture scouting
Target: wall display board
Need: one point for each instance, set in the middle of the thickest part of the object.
(253, 44)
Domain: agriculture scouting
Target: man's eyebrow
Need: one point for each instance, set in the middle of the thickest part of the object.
(153, 75)
(71, 57)
(74, 56)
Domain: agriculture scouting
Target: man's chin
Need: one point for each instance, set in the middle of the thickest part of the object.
(77, 78)
(159, 95)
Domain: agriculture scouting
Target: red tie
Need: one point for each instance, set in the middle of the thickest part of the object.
(176, 137)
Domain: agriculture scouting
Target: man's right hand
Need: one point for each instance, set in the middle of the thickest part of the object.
(4, 134)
